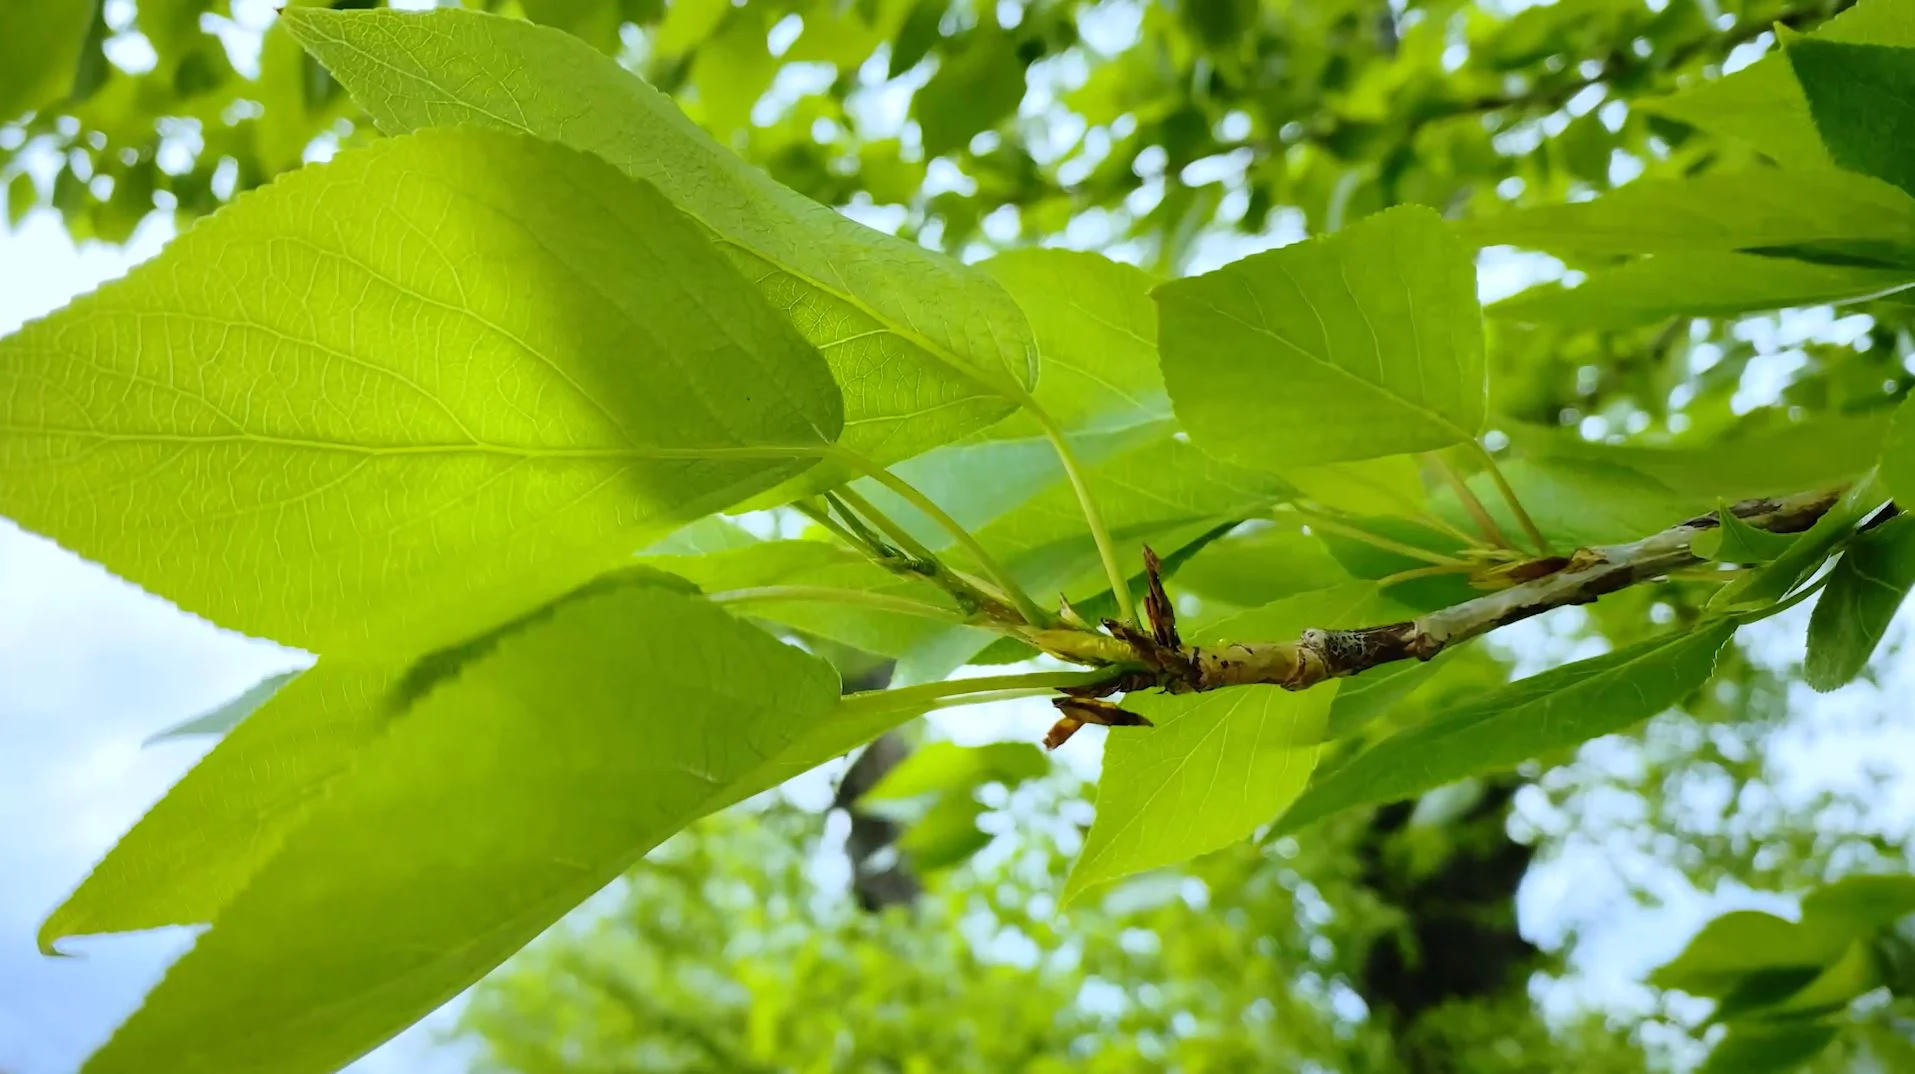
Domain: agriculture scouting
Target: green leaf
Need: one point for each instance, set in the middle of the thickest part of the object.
(1866, 588)
(1654, 289)
(1805, 553)
(1735, 541)
(1858, 905)
(1739, 943)
(40, 52)
(473, 822)
(1360, 344)
(398, 397)
(946, 767)
(979, 82)
(1500, 730)
(1752, 1050)
(1714, 213)
(595, 21)
(926, 349)
(199, 846)
(1849, 976)
(1762, 105)
(1862, 98)
(946, 835)
(1898, 454)
(1096, 332)
(220, 720)
(1218, 765)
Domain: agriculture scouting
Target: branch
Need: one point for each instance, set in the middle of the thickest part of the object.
(1320, 655)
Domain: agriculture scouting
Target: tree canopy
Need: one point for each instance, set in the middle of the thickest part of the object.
(637, 406)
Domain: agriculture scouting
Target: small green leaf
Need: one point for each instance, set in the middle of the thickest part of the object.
(1735, 541)
(1850, 975)
(1805, 553)
(1718, 212)
(1218, 765)
(1740, 943)
(947, 767)
(1862, 98)
(1865, 589)
(474, 821)
(927, 349)
(224, 718)
(1499, 730)
(979, 82)
(1356, 345)
(946, 835)
(1654, 289)
(395, 398)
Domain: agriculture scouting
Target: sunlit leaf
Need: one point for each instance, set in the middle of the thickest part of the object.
(405, 394)
(492, 807)
(925, 349)
(1351, 346)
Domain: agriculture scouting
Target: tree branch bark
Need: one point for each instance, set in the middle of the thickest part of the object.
(1320, 655)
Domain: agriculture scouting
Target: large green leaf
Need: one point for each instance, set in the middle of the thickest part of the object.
(1360, 344)
(1768, 1049)
(926, 349)
(1866, 588)
(475, 820)
(1500, 730)
(40, 51)
(1862, 98)
(1219, 765)
(1657, 288)
(197, 847)
(1898, 454)
(1258, 564)
(1714, 213)
(404, 394)
(1762, 104)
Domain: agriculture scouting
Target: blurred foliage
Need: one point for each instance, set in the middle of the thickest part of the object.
(1175, 135)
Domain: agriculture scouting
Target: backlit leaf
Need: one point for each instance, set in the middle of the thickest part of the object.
(925, 349)
(406, 394)
(474, 821)
(1352, 346)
